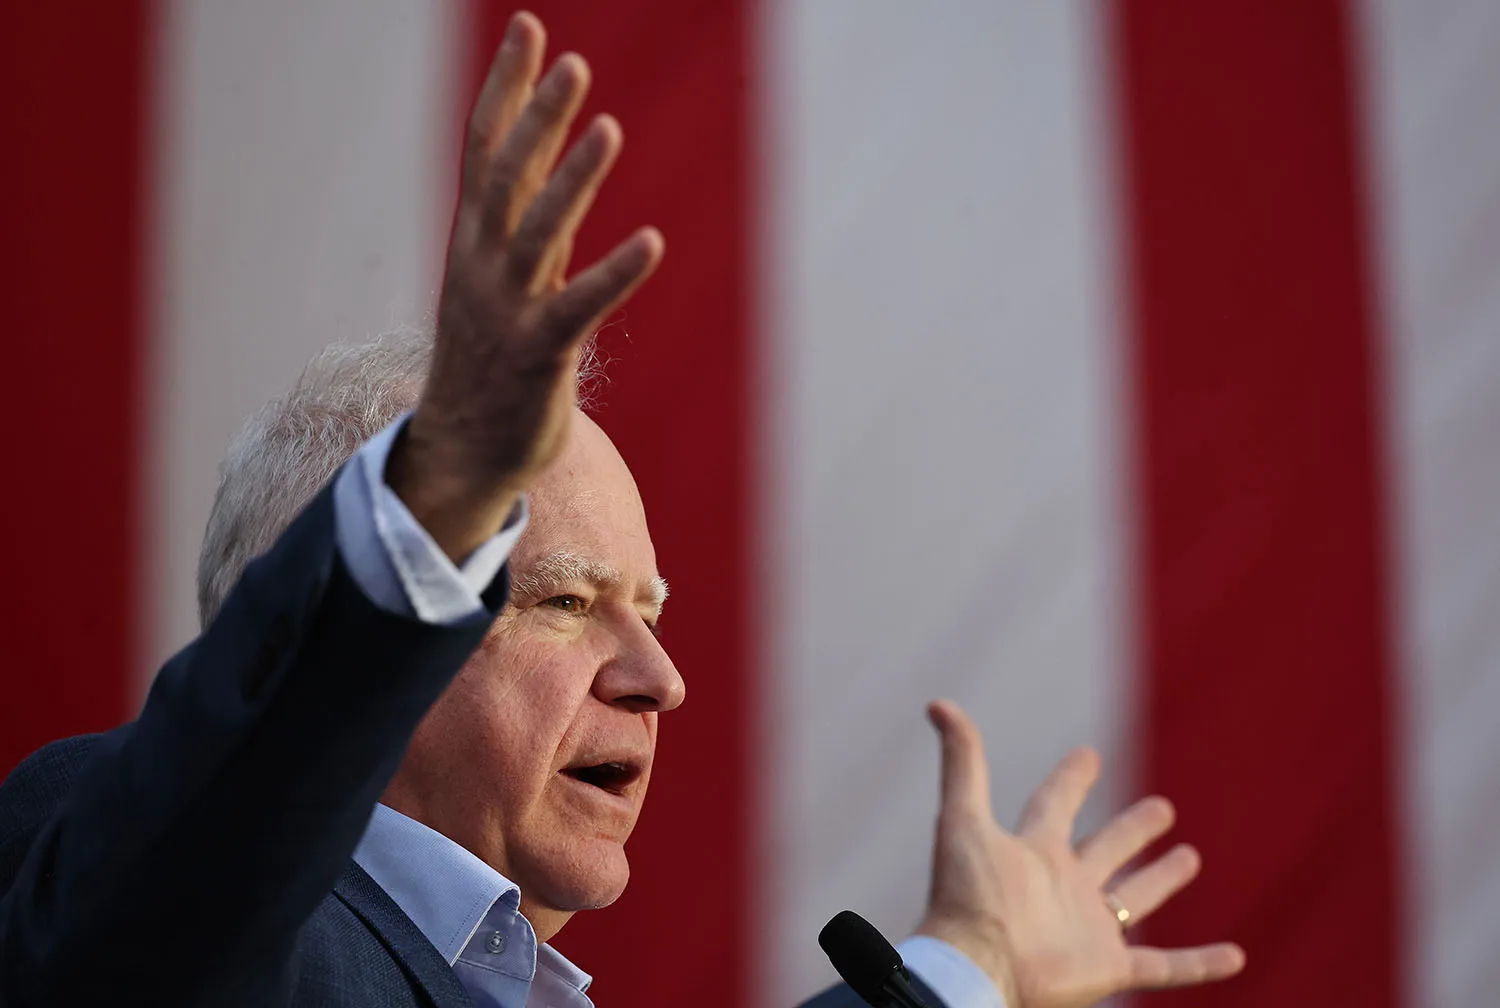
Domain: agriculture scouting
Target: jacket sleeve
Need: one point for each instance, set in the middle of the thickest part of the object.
(194, 843)
(843, 996)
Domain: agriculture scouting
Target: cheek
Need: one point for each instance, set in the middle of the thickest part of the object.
(520, 698)
(479, 731)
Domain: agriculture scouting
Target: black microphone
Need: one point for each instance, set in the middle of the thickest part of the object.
(867, 962)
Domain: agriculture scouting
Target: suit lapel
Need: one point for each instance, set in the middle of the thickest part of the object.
(407, 945)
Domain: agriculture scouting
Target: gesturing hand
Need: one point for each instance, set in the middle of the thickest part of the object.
(499, 399)
(1029, 908)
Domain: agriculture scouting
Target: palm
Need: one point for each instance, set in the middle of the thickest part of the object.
(1074, 936)
(1030, 908)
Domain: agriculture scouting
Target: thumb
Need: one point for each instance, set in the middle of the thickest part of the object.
(965, 773)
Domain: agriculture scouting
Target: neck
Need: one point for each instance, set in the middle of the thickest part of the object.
(545, 921)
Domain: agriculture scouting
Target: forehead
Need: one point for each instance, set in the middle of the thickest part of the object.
(587, 506)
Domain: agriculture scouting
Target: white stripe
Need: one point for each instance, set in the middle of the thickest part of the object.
(303, 170)
(1434, 86)
(945, 432)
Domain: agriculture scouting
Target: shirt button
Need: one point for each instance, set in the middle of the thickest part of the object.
(496, 942)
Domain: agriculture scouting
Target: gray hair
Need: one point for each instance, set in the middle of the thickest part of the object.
(284, 454)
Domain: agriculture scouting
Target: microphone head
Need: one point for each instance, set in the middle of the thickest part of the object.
(861, 955)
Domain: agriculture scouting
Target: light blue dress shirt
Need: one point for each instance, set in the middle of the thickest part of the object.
(393, 559)
(469, 911)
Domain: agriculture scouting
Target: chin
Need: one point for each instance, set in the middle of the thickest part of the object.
(585, 876)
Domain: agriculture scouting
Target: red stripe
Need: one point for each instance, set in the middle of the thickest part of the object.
(1267, 712)
(674, 72)
(72, 122)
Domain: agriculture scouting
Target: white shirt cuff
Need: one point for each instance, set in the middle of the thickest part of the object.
(951, 974)
(393, 559)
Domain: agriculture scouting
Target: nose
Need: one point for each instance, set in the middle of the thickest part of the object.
(639, 676)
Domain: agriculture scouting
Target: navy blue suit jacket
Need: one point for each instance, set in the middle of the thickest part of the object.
(200, 855)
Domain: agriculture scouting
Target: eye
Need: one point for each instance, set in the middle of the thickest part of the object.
(567, 603)
(654, 627)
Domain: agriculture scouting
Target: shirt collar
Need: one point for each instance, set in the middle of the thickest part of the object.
(551, 961)
(442, 887)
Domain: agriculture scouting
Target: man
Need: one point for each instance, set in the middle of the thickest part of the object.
(222, 849)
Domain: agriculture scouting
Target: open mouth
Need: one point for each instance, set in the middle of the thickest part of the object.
(612, 777)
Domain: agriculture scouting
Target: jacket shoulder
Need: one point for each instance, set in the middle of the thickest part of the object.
(31, 792)
(339, 961)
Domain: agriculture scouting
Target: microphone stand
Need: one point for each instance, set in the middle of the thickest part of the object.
(899, 992)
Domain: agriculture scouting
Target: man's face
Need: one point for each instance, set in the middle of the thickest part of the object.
(537, 757)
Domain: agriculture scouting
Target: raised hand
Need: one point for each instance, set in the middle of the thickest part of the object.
(500, 396)
(1044, 918)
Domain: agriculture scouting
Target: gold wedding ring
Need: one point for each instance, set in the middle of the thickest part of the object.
(1118, 909)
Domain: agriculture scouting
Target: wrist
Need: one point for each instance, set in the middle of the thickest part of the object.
(982, 943)
(459, 509)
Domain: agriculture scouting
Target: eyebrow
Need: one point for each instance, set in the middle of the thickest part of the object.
(564, 566)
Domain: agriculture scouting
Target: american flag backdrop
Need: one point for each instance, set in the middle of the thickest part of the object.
(1129, 371)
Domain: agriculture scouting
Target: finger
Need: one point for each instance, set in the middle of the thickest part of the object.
(1143, 892)
(965, 771)
(561, 250)
(553, 217)
(551, 144)
(1156, 968)
(507, 87)
(554, 271)
(527, 153)
(1125, 836)
(1053, 807)
(604, 286)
